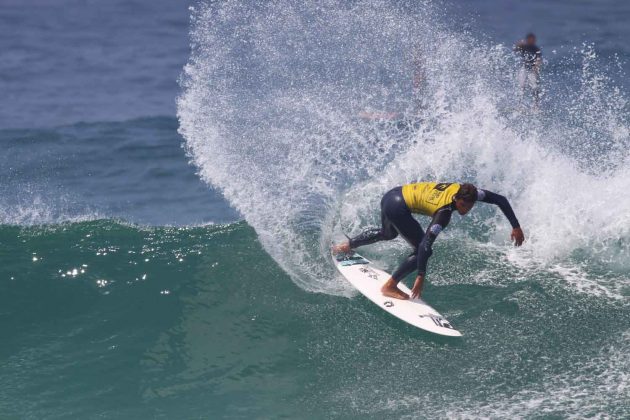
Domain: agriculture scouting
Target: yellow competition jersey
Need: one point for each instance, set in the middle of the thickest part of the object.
(428, 197)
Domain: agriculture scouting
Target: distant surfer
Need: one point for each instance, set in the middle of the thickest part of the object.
(437, 200)
(529, 74)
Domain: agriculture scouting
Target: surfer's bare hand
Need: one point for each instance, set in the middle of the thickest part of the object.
(517, 236)
(416, 291)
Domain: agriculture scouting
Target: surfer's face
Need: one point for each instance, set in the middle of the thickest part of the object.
(463, 206)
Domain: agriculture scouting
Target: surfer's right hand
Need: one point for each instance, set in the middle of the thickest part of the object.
(416, 291)
(517, 236)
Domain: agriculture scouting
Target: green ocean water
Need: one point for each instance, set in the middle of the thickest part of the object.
(107, 320)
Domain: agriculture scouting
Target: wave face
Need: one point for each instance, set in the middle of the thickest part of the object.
(116, 321)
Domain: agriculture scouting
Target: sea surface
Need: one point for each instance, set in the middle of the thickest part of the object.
(172, 174)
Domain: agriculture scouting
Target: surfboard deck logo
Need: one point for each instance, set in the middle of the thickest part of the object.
(351, 260)
(368, 279)
(441, 322)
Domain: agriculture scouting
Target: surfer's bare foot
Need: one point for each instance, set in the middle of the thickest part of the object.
(390, 289)
(342, 248)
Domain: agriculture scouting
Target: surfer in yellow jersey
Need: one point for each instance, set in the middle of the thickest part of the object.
(436, 200)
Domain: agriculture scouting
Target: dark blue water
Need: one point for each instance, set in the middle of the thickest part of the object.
(74, 61)
(169, 186)
(87, 114)
(562, 25)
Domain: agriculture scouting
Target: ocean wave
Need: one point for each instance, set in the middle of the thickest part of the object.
(134, 170)
(276, 121)
(199, 312)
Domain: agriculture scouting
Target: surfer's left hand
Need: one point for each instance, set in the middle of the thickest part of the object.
(517, 236)
(416, 291)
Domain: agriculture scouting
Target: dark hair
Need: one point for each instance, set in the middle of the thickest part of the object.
(530, 35)
(467, 192)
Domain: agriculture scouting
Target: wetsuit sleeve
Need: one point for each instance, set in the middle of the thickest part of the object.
(440, 220)
(503, 203)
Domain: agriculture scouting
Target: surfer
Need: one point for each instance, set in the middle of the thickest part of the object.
(529, 74)
(437, 200)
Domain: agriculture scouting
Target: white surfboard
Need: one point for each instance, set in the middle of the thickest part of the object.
(368, 280)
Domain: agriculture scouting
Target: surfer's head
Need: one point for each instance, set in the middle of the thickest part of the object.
(465, 198)
(530, 39)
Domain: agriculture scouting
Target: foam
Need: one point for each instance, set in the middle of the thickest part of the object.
(36, 210)
(585, 391)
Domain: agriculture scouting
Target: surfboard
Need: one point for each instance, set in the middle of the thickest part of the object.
(368, 279)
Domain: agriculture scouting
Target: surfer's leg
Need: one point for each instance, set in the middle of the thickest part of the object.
(410, 229)
(406, 267)
(522, 81)
(535, 83)
(385, 233)
(367, 237)
(390, 288)
(370, 236)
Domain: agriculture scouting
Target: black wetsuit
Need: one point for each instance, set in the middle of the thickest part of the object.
(530, 54)
(396, 218)
(529, 77)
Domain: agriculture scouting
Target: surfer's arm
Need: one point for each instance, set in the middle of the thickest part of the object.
(497, 199)
(440, 220)
(503, 203)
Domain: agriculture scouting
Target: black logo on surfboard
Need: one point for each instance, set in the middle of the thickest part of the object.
(440, 322)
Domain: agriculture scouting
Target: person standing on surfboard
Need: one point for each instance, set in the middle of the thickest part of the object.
(529, 74)
(437, 200)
